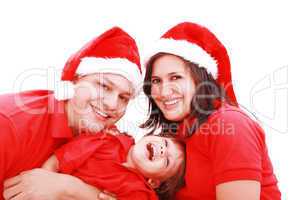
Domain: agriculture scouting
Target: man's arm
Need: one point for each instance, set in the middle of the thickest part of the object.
(40, 184)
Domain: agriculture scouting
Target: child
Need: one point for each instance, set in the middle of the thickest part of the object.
(114, 163)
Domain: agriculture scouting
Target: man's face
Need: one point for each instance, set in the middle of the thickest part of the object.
(100, 100)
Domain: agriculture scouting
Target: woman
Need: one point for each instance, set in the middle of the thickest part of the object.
(188, 83)
(98, 81)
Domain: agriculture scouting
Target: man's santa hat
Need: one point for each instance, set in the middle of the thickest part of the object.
(112, 52)
(197, 44)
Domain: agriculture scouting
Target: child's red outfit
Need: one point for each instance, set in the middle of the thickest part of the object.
(97, 160)
(229, 146)
(32, 126)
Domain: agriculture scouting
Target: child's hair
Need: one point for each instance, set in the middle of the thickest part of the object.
(169, 187)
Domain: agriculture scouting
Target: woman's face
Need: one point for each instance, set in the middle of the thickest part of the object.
(100, 100)
(157, 157)
(172, 87)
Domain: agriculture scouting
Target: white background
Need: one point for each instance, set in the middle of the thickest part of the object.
(261, 38)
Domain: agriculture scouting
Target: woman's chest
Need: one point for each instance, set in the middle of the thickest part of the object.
(199, 173)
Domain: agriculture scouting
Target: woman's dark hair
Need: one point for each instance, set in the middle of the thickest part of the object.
(208, 92)
(168, 188)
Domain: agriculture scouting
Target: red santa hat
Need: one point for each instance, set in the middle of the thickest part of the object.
(197, 44)
(112, 52)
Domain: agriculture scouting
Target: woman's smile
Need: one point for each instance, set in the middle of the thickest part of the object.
(171, 103)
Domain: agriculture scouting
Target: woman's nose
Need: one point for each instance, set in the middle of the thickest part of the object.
(166, 90)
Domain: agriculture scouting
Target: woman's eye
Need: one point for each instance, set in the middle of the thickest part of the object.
(175, 77)
(155, 81)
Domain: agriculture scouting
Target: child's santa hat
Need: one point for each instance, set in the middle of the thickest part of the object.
(197, 44)
(112, 52)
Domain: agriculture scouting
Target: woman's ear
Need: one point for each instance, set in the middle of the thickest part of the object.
(154, 183)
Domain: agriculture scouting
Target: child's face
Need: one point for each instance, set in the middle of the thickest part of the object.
(100, 100)
(157, 157)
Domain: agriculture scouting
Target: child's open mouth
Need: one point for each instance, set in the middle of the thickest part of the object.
(150, 148)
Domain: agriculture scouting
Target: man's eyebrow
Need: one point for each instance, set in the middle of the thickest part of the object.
(109, 81)
(129, 94)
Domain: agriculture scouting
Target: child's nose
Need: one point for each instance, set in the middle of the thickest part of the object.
(162, 151)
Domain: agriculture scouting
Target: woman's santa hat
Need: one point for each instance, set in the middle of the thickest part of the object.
(112, 52)
(197, 44)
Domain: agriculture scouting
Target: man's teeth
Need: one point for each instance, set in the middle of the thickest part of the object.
(100, 113)
(171, 102)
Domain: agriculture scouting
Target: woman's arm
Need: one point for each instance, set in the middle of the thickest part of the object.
(236, 152)
(236, 190)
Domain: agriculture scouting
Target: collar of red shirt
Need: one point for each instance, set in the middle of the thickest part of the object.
(58, 126)
(187, 124)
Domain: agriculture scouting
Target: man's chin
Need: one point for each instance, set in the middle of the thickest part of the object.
(91, 128)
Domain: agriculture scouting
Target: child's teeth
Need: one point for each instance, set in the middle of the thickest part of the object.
(151, 151)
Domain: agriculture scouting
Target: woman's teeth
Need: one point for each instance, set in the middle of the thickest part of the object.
(171, 102)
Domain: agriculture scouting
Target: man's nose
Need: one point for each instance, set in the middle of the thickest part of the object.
(110, 102)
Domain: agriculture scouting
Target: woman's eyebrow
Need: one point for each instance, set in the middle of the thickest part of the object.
(154, 76)
(176, 73)
(170, 74)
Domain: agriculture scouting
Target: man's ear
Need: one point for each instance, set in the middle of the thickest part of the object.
(154, 183)
(76, 78)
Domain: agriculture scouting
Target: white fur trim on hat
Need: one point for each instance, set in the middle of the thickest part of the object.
(121, 66)
(64, 90)
(186, 50)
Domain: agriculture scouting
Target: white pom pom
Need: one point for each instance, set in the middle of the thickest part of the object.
(64, 90)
